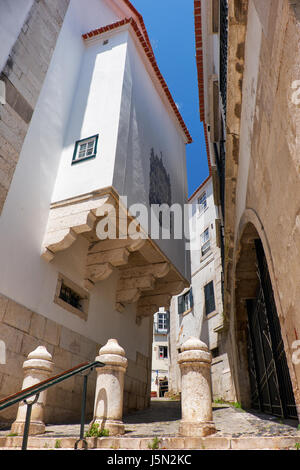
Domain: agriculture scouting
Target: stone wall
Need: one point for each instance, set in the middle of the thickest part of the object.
(222, 386)
(23, 330)
(272, 197)
(24, 74)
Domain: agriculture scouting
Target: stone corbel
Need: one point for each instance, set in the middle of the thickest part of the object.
(135, 280)
(173, 287)
(104, 255)
(68, 220)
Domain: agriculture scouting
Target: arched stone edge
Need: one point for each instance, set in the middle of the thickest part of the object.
(250, 216)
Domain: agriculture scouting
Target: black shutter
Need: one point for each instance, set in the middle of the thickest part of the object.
(180, 304)
(209, 298)
(168, 321)
(191, 298)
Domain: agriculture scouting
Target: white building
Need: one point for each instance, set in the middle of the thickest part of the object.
(103, 126)
(198, 311)
(160, 353)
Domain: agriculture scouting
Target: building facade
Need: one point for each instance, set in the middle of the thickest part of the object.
(198, 311)
(88, 130)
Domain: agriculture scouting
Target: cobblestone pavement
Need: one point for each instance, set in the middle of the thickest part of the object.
(162, 419)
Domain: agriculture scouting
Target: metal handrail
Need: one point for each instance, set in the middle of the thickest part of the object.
(36, 389)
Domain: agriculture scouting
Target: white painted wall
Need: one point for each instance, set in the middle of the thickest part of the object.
(24, 276)
(151, 125)
(95, 110)
(13, 14)
(199, 222)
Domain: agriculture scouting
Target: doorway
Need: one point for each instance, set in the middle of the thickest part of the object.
(270, 383)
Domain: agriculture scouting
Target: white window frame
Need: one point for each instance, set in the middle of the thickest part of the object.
(205, 242)
(163, 321)
(202, 206)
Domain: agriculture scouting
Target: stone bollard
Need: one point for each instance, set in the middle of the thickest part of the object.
(108, 408)
(196, 400)
(37, 367)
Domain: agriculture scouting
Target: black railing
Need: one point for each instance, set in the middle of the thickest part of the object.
(35, 390)
(223, 51)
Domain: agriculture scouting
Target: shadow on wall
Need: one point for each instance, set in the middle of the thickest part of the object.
(102, 408)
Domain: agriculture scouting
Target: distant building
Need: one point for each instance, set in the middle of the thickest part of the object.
(160, 353)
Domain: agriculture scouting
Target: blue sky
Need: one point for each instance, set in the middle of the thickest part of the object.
(170, 26)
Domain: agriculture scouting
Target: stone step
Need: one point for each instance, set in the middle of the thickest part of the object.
(165, 443)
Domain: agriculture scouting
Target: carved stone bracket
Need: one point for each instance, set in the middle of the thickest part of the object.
(135, 280)
(145, 276)
(69, 219)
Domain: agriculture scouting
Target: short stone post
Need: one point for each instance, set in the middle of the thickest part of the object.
(108, 408)
(37, 367)
(196, 400)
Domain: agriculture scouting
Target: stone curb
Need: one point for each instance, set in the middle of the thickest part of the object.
(171, 443)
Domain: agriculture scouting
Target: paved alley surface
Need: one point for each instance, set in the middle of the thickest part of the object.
(162, 420)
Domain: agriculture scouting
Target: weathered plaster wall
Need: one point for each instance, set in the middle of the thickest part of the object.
(151, 126)
(252, 57)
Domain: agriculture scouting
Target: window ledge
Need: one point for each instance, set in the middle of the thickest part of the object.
(83, 314)
(202, 212)
(203, 257)
(90, 157)
(212, 314)
(70, 308)
(187, 312)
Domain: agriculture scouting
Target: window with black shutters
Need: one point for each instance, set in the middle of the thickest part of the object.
(185, 302)
(209, 295)
(163, 352)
